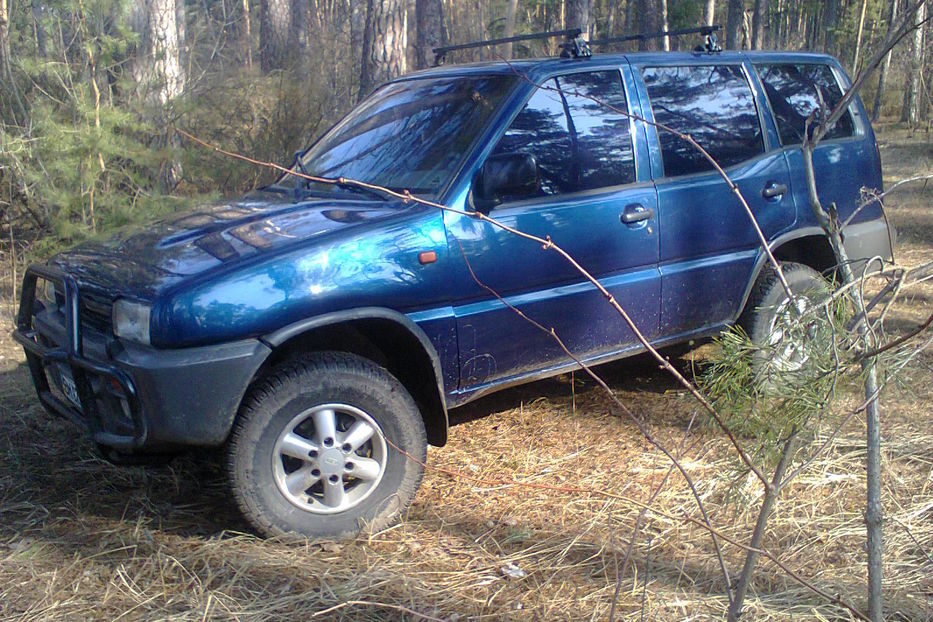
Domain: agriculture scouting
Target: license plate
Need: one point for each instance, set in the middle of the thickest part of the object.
(69, 388)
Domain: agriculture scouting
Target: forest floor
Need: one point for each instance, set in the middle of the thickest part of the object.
(81, 539)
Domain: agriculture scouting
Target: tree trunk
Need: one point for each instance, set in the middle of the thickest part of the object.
(710, 13)
(4, 40)
(238, 30)
(577, 15)
(510, 24)
(830, 23)
(646, 22)
(357, 27)
(297, 31)
(758, 27)
(662, 14)
(429, 16)
(883, 71)
(858, 38)
(911, 110)
(181, 26)
(384, 42)
(159, 73)
(157, 64)
(39, 29)
(735, 22)
(275, 28)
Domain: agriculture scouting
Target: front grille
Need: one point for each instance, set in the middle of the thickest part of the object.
(96, 312)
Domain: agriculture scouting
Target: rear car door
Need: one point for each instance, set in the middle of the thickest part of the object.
(794, 88)
(595, 203)
(708, 244)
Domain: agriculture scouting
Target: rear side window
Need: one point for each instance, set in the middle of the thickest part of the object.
(577, 129)
(792, 91)
(714, 105)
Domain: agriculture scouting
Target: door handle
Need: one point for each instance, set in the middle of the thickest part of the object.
(773, 189)
(636, 213)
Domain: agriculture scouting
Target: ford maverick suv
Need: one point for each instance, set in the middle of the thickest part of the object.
(319, 332)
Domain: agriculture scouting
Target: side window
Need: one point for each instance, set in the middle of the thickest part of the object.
(541, 130)
(713, 104)
(576, 128)
(792, 92)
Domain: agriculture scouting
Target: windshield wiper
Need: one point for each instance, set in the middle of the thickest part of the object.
(304, 183)
(379, 194)
(305, 189)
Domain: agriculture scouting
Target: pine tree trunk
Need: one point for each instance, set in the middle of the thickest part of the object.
(384, 41)
(883, 71)
(646, 22)
(275, 28)
(758, 27)
(181, 27)
(662, 14)
(911, 110)
(510, 24)
(39, 29)
(735, 19)
(238, 30)
(577, 15)
(357, 27)
(297, 32)
(157, 65)
(4, 40)
(430, 23)
(858, 38)
(158, 70)
(830, 23)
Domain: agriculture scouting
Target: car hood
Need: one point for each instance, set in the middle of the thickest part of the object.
(142, 261)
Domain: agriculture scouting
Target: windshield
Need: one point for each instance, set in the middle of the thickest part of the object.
(409, 135)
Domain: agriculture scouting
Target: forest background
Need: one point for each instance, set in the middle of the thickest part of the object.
(92, 91)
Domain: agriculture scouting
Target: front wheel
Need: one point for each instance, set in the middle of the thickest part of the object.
(315, 450)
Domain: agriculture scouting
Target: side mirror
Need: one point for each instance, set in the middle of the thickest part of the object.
(512, 175)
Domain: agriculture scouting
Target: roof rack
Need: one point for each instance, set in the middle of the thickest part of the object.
(712, 44)
(574, 46)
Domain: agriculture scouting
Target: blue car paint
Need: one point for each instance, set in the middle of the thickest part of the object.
(250, 267)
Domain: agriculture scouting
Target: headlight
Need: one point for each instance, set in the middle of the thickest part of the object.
(131, 320)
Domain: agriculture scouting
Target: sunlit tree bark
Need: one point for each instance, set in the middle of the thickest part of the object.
(384, 41)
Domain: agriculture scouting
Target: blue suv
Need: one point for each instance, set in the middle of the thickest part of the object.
(320, 332)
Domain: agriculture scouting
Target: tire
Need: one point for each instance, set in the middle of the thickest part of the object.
(767, 314)
(315, 449)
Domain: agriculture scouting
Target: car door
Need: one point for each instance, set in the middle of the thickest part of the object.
(595, 203)
(709, 245)
(846, 153)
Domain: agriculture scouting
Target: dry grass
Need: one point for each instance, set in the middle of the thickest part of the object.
(81, 539)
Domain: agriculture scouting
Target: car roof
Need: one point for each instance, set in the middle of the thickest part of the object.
(544, 66)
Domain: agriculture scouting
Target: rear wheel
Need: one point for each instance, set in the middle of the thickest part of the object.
(315, 449)
(772, 319)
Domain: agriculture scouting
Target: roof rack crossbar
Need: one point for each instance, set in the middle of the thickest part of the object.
(703, 30)
(570, 34)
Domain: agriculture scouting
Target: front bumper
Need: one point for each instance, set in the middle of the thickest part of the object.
(129, 396)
